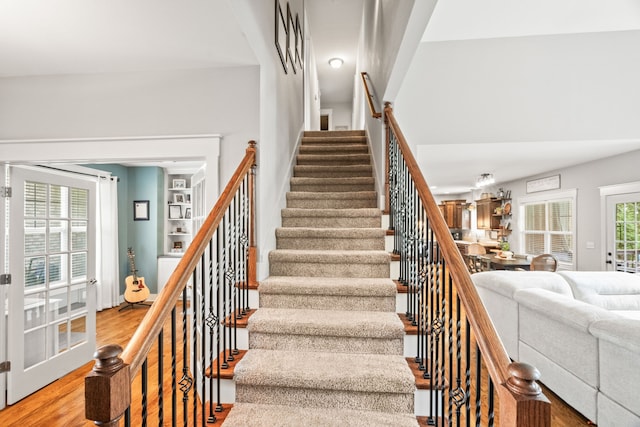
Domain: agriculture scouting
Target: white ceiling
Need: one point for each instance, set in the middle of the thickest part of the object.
(44, 37)
(334, 26)
(453, 167)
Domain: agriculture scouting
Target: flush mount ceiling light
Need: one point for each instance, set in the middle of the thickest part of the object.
(336, 62)
(484, 180)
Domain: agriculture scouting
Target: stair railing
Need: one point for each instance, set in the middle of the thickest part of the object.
(472, 380)
(195, 317)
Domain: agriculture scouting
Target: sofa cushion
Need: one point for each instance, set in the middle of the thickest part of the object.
(612, 290)
(507, 282)
(557, 326)
(619, 341)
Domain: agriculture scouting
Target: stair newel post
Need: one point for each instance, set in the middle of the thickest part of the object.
(522, 402)
(252, 273)
(107, 388)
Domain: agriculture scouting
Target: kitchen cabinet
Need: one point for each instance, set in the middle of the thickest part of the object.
(455, 213)
(487, 219)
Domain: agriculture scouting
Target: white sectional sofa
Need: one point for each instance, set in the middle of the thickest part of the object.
(580, 329)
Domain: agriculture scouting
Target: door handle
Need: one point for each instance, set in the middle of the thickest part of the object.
(92, 282)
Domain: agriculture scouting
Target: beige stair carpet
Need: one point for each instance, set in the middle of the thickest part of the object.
(325, 346)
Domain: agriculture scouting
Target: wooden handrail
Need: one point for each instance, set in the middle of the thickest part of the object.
(517, 381)
(488, 340)
(372, 108)
(146, 334)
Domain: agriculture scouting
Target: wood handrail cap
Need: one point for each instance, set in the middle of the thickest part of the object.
(522, 379)
(107, 359)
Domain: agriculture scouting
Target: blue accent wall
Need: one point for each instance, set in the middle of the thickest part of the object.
(144, 237)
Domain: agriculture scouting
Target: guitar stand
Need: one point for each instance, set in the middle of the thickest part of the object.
(133, 304)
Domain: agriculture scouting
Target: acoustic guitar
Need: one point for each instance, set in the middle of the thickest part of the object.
(136, 291)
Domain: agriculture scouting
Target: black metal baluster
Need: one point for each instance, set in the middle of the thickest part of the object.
(431, 304)
(185, 381)
(144, 393)
(478, 387)
(216, 317)
(194, 342)
(174, 369)
(467, 374)
(450, 331)
(127, 417)
(210, 324)
(223, 318)
(491, 398)
(203, 334)
(160, 378)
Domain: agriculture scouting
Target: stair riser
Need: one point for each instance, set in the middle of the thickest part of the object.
(328, 302)
(331, 203)
(313, 159)
(328, 270)
(328, 149)
(331, 222)
(332, 134)
(332, 188)
(326, 343)
(329, 172)
(330, 244)
(320, 398)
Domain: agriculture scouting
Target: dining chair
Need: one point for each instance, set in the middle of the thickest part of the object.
(544, 262)
(473, 262)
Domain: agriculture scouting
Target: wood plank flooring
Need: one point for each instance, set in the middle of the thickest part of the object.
(62, 402)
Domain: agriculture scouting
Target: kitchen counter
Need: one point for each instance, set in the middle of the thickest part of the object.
(485, 243)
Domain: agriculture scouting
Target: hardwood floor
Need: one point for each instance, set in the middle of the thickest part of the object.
(61, 403)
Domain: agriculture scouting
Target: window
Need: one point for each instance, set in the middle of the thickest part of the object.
(548, 226)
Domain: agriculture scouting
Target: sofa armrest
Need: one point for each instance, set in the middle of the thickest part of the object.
(571, 312)
(507, 283)
(611, 290)
(623, 332)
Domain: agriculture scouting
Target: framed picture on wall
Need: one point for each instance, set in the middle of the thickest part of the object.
(291, 39)
(299, 54)
(141, 210)
(179, 183)
(281, 35)
(175, 212)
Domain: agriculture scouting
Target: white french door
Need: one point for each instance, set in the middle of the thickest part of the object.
(51, 321)
(623, 232)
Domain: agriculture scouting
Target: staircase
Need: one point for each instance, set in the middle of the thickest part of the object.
(326, 346)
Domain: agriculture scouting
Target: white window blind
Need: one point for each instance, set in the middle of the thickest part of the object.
(548, 226)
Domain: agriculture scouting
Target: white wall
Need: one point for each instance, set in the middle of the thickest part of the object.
(586, 178)
(281, 119)
(186, 102)
(544, 88)
(340, 114)
(391, 31)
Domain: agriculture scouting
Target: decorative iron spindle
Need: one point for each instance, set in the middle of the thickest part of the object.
(215, 300)
(144, 393)
(160, 377)
(174, 370)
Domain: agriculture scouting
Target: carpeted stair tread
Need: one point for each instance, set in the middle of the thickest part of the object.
(334, 148)
(333, 213)
(338, 286)
(329, 257)
(332, 184)
(333, 181)
(334, 133)
(332, 171)
(326, 371)
(261, 415)
(332, 199)
(329, 233)
(334, 159)
(335, 323)
(330, 238)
